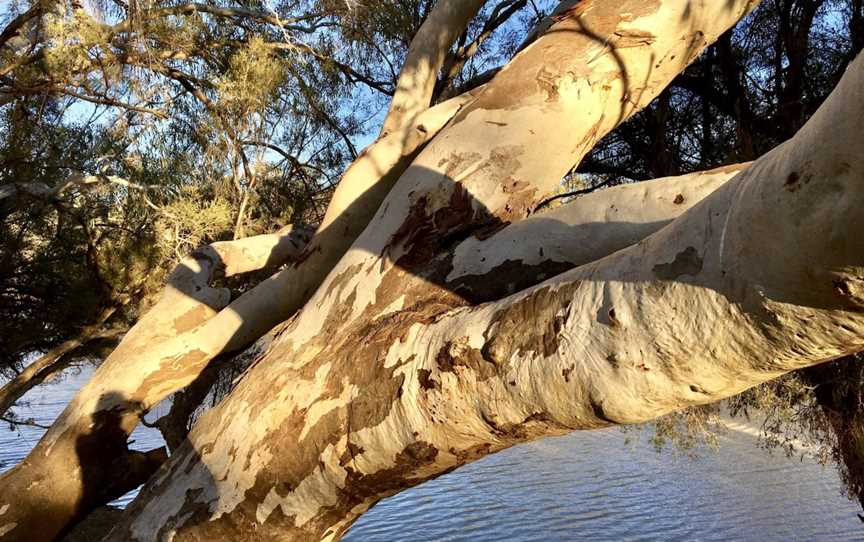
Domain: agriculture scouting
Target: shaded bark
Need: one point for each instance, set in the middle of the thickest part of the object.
(342, 421)
(374, 400)
(83, 460)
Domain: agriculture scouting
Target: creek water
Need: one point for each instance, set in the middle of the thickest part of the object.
(590, 485)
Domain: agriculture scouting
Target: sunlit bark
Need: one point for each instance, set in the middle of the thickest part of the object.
(194, 322)
(279, 459)
(761, 277)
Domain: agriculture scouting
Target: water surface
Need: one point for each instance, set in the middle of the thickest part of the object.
(589, 485)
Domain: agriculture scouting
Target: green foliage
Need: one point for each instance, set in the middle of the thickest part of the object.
(792, 420)
(687, 432)
(254, 75)
(192, 219)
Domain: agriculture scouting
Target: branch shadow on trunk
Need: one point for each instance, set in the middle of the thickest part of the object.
(419, 258)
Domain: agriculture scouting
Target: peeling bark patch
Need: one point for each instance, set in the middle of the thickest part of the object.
(545, 310)
(186, 366)
(794, 181)
(341, 280)
(472, 453)
(191, 318)
(360, 486)
(459, 354)
(679, 199)
(427, 233)
(375, 401)
(424, 377)
(547, 84)
(686, 262)
(533, 426)
(458, 162)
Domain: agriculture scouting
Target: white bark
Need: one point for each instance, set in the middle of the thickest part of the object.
(193, 323)
(425, 58)
(762, 277)
(579, 232)
(283, 458)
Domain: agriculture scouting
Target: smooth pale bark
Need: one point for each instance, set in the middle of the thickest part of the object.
(762, 277)
(192, 325)
(83, 460)
(587, 229)
(271, 459)
(425, 58)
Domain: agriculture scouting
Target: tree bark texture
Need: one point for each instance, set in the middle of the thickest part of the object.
(449, 324)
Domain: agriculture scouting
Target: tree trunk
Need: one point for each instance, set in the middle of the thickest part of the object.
(371, 390)
(83, 460)
(194, 323)
(433, 341)
(342, 421)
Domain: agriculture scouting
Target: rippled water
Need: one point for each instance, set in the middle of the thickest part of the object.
(585, 486)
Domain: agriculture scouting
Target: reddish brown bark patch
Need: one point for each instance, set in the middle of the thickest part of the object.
(536, 425)
(458, 353)
(191, 319)
(424, 377)
(403, 474)
(532, 324)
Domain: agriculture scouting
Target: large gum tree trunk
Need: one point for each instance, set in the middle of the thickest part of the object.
(83, 461)
(435, 340)
(372, 390)
(394, 371)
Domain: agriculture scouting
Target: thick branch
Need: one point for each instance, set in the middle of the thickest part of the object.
(456, 61)
(426, 55)
(582, 231)
(93, 429)
(595, 67)
(762, 277)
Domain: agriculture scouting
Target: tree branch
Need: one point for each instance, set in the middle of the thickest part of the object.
(425, 58)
